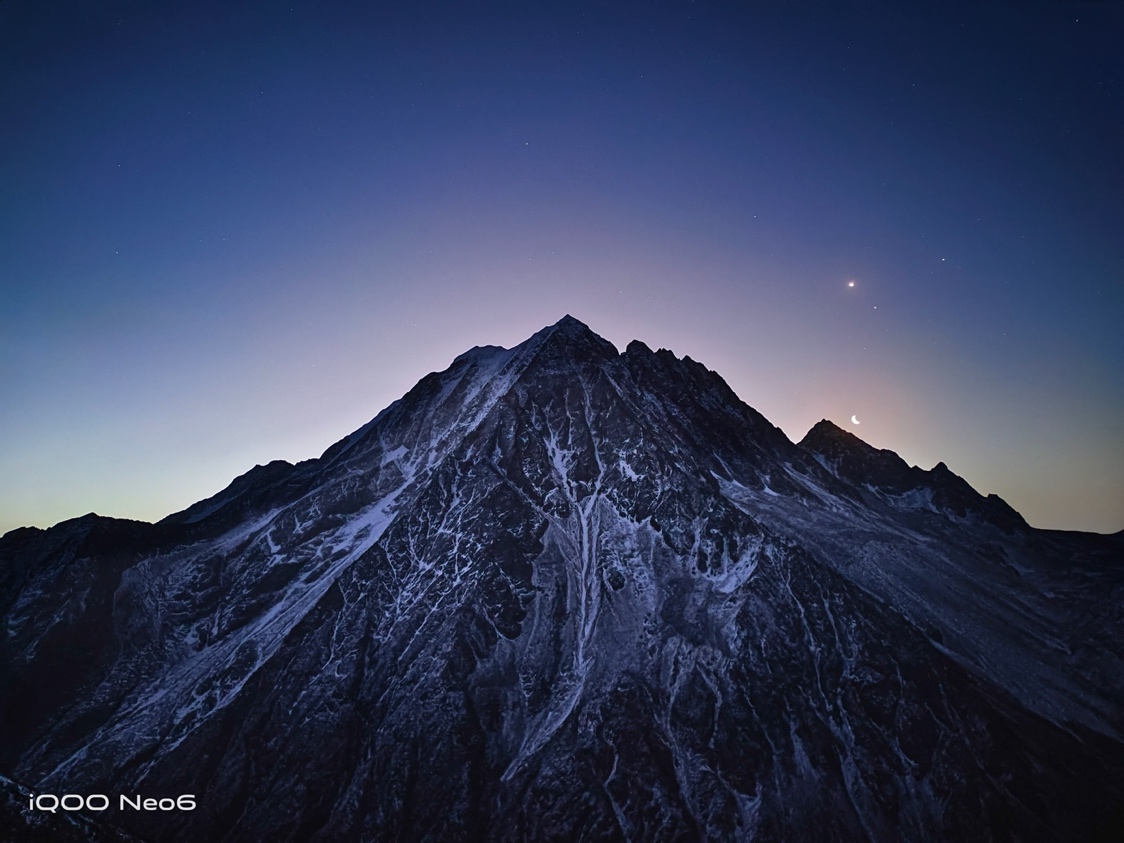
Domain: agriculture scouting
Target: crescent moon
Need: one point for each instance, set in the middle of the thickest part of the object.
(855, 420)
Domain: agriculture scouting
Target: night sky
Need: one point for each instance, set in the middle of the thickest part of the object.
(232, 235)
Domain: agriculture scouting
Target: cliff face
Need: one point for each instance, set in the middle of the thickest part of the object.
(558, 593)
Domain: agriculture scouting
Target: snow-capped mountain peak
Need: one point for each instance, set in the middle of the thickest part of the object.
(562, 592)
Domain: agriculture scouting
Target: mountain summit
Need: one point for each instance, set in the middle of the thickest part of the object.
(559, 592)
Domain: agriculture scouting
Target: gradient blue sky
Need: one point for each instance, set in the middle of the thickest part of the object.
(233, 235)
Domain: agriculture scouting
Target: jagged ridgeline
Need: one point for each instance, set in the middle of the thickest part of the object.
(558, 592)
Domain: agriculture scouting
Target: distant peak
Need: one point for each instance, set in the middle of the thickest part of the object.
(853, 460)
(825, 431)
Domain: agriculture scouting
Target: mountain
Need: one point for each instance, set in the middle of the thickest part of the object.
(558, 592)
